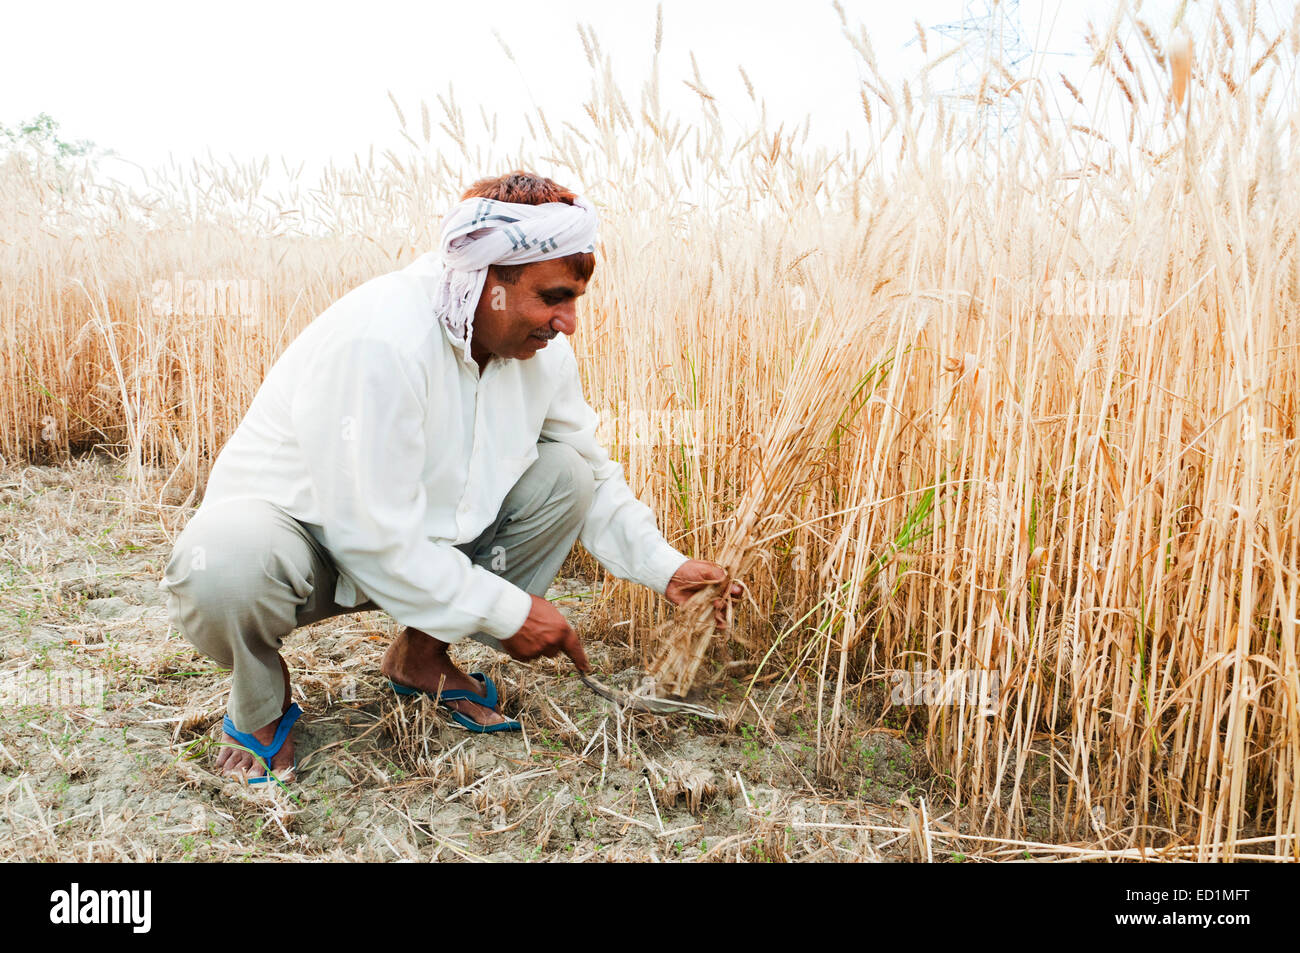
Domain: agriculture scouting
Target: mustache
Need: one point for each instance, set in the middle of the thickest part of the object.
(546, 333)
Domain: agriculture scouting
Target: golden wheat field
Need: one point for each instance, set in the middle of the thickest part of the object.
(1013, 407)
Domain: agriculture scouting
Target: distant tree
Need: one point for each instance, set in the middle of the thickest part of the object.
(38, 138)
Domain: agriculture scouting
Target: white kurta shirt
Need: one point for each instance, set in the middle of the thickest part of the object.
(376, 429)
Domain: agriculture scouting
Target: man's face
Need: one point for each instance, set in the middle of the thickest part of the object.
(516, 320)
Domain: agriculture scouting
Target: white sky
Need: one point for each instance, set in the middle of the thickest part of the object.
(310, 80)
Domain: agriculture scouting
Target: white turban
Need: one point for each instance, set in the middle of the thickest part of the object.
(480, 232)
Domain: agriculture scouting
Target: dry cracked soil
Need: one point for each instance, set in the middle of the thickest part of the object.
(109, 721)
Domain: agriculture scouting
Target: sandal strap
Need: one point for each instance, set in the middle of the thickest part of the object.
(265, 752)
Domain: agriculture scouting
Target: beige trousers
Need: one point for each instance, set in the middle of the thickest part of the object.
(244, 574)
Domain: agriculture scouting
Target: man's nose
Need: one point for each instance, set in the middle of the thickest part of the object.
(565, 318)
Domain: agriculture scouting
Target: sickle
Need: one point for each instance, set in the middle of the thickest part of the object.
(656, 706)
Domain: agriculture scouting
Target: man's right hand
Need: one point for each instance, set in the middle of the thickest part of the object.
(546, 632)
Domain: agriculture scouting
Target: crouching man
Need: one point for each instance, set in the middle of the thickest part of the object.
(424, 448)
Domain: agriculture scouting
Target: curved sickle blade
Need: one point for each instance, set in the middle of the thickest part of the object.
(655, 706)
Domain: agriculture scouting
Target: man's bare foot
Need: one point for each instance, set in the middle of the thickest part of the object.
(236, 762)
(420, 661)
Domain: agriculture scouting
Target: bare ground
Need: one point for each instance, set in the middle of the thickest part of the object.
(127, 774)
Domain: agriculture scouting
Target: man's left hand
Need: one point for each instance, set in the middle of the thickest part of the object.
(696, 574)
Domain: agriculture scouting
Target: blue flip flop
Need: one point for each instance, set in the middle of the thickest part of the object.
(266, 752)
(488, 700)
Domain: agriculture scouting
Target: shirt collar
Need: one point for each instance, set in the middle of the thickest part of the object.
(462, 347)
